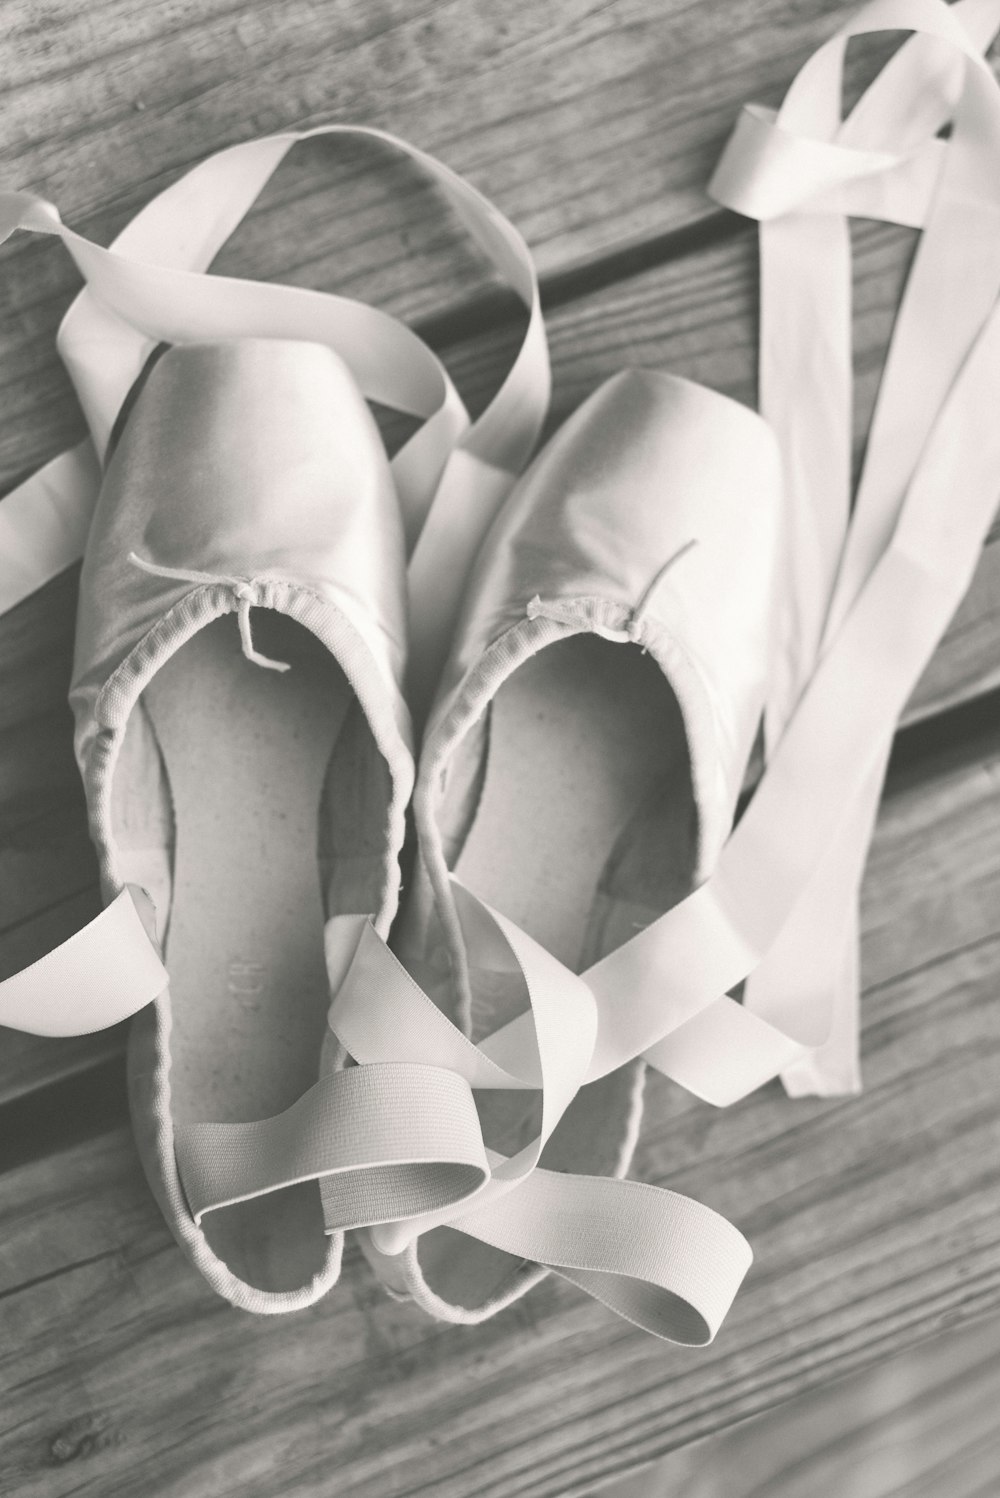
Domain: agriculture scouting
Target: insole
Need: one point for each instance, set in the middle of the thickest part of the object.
(585, 831)
(246, 751)
(586, 808)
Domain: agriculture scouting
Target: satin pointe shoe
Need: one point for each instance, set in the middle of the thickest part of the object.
(244, 750)
(582, 764)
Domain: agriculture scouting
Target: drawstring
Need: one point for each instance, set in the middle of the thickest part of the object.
(243, 592)
(635, 624)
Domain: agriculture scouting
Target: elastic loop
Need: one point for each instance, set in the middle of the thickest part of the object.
(385, 1140)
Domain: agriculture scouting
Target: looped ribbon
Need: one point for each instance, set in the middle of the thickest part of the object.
(108, 969)
(562, 1010)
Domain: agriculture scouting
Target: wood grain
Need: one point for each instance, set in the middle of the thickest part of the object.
(595, 127)
(923, 1425)
(875, 1220)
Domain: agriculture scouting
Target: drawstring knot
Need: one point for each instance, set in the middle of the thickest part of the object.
(242, 590)
(562, 613)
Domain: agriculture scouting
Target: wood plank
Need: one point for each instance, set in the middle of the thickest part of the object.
(875, 1222)
(596, 127)
(29, 1065)
(918, 1426)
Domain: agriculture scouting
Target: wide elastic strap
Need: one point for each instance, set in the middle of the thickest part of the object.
(660, 1260)
(395, 1145)
(405, 1025)
(104, 973)
(384, 1141)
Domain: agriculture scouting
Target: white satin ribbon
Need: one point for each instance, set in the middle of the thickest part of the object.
(105, 972)
(800, 172)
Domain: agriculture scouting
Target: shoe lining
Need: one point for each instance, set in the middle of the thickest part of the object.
(584, 830)
(245, 753)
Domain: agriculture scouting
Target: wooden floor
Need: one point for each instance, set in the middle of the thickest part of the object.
(876, 1221)
(922, 1425)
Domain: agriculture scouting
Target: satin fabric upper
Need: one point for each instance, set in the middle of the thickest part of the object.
(281, 477)
(656, 513)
